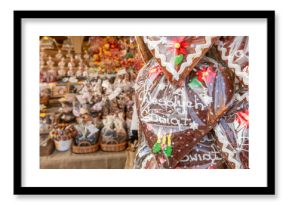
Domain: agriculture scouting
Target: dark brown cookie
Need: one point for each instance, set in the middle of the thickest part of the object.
(174, 119)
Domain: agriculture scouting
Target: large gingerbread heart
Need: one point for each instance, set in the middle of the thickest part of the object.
(234, 51)
(174, 118)
(177, 55)
(233, 134)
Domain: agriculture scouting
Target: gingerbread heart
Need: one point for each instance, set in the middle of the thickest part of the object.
(234, 51)
(233, 134)
(175, 118)
(177, 55)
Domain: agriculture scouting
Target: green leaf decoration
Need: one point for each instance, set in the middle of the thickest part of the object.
(194, 83)
(168, 151)
(156, 147)
(178, 59)
(129, 55)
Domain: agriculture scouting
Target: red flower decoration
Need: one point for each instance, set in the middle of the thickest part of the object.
(179, 45)
(205, 74)
(243, 118)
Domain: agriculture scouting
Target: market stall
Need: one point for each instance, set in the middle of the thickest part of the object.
(86, 101)
(114, 102)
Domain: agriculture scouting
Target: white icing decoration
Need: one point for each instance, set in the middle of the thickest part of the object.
(241, 97)
(209, 156)
(170, 65)
(193, 125)
(240, 136)
(178, 105)
(161, 86)
(202, 93)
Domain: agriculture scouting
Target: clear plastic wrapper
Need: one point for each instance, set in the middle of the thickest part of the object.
(45, 123)
(144, 158)
(87, 133)
(233, 134)
(65, 112)
(114, 130)
(174, 118)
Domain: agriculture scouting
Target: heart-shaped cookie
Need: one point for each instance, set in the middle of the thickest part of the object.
(177, 55)
(175, 118)
(233, 134)
(234, 51)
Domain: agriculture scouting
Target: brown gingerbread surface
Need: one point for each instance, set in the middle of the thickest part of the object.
(180, 116)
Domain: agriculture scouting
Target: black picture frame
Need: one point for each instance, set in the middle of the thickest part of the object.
(268, 190)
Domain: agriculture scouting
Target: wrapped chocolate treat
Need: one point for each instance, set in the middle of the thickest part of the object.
(108, 132)
(66, 111)
(177, 55)
(233, 134)
(45, 123)
(113, 134)
(121, 127)
(234, 51)
(86, 133)
(97, 105)
(174, 118)
(114, 130)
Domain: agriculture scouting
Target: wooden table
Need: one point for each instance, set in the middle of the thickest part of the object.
(97, 160)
